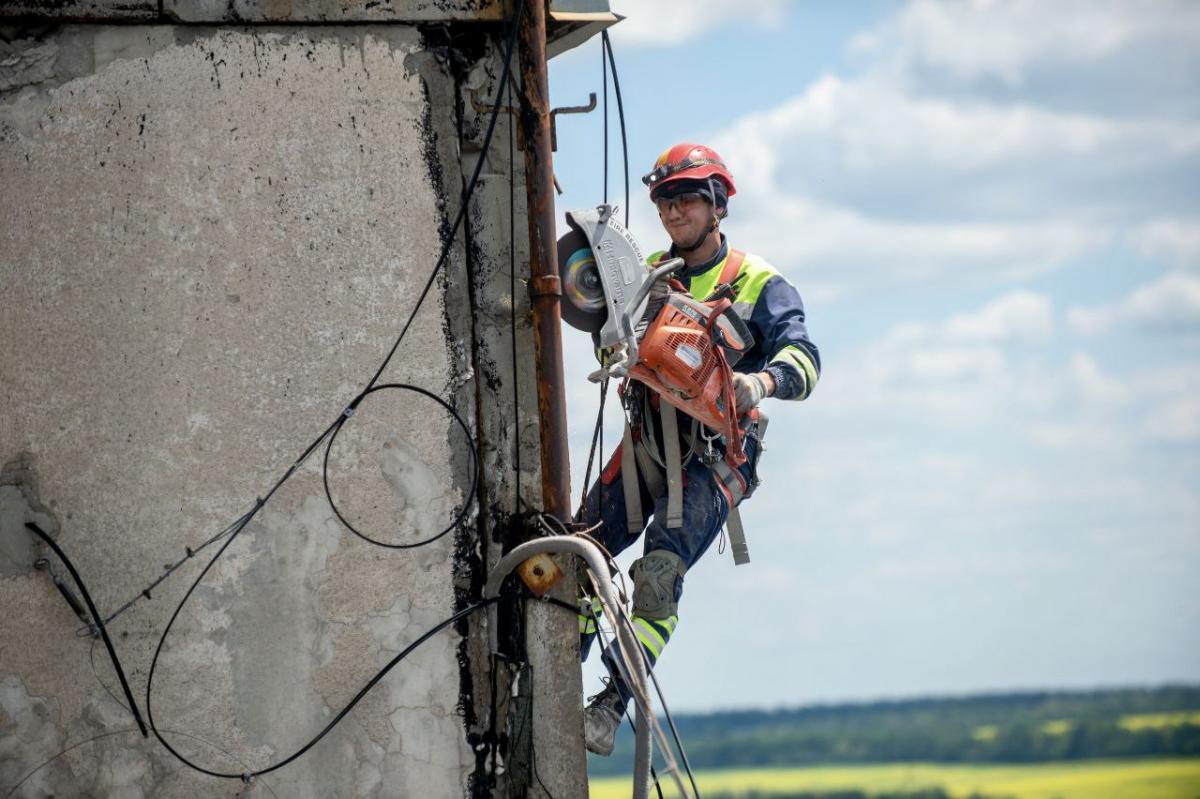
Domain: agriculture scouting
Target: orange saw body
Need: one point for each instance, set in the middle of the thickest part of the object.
(681, 361)
(687, 348)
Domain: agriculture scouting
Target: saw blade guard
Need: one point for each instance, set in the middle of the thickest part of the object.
(601, 267)
(583, 303)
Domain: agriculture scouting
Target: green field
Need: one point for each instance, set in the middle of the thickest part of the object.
(1104, 779)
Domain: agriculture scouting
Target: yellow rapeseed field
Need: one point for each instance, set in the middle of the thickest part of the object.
(1147, 721)
(1103, 779)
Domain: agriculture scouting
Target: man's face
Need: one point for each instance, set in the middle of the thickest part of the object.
(686, 217)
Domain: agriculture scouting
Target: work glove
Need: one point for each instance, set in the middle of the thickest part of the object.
(659, 289)
(749, 390)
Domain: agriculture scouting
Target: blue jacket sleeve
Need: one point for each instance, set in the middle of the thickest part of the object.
(791, 357)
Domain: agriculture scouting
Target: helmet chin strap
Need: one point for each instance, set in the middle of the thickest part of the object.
(695, 245)
(712, 225)
(703, 237)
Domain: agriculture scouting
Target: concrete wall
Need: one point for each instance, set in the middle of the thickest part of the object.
(210, 237)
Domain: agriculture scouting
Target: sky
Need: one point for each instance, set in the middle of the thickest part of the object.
(992, 212)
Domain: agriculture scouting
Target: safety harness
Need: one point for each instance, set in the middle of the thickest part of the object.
(639, 456)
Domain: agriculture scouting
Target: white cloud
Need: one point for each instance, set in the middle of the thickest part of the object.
(1007, 41)
(1095, 384)
(988, 371)
(835, 251)
(1176, 241)
(859, 126)
(1178, 420)
(973, 370)
(1170, 304)
(950, 364)
(1017, 315)
(672, 22)
(889, 178)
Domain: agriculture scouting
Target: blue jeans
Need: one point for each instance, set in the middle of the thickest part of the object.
(705, 509)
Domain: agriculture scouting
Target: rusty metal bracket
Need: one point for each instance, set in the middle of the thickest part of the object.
(541, 285)
(568, 109)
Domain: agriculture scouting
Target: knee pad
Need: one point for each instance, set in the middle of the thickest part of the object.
(657, 584)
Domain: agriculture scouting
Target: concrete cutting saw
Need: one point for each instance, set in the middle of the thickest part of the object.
(647, 326)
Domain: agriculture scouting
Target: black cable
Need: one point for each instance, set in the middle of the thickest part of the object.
(604, 84)
(597, 440)
(116, 699)
(596, 621)
(70, 748)
(96, 674)
(657, 688)
(240, 523)
(332, 430)
(87, 597)
(533, 750)
(628, 718)
(512, 296)
(598, 431)
(471, 449)
(111, 733)
(607, 46)
(662, 700)
(493, 727)
(621, 112)
(600, 449)
(379, 675)
(462, 211)
(167, 572)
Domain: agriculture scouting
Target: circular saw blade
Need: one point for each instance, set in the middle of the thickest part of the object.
(584, 306)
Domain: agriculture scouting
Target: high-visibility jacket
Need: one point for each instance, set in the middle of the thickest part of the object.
(772, 308)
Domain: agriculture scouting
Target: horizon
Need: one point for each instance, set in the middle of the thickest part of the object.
(947, 697)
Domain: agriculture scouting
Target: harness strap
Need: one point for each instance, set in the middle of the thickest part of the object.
(730, 481)
(729, 272)
(629, 483)
(651, 472)
(737, 537)
(637, 458)
(673, 458)
(733, 265)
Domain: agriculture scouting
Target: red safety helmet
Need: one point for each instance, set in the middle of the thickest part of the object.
(688, 162)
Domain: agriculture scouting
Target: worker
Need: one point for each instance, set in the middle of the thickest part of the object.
(690, 185)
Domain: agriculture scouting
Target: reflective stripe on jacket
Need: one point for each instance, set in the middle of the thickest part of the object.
(772, 308)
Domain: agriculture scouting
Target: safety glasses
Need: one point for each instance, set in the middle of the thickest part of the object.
(666, 170)
(683, 201)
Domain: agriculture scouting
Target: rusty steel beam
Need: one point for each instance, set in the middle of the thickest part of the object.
(544, 285)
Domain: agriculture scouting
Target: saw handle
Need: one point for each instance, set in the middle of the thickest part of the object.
(664, 268)
(621, 368)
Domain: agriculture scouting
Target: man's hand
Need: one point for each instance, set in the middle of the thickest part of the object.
(660, 288)
(751, 389)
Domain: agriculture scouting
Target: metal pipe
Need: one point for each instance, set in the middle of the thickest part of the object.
(544, 284)
(595, 562)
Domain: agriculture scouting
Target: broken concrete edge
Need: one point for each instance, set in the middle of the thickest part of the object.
(19, 504)
(485, 681)
(256, 11)
(450, 160)
(565, 32)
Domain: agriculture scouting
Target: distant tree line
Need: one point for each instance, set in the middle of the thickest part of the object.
(925, 793)
(995, 728)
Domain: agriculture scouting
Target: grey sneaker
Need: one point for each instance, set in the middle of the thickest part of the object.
(601, 719)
